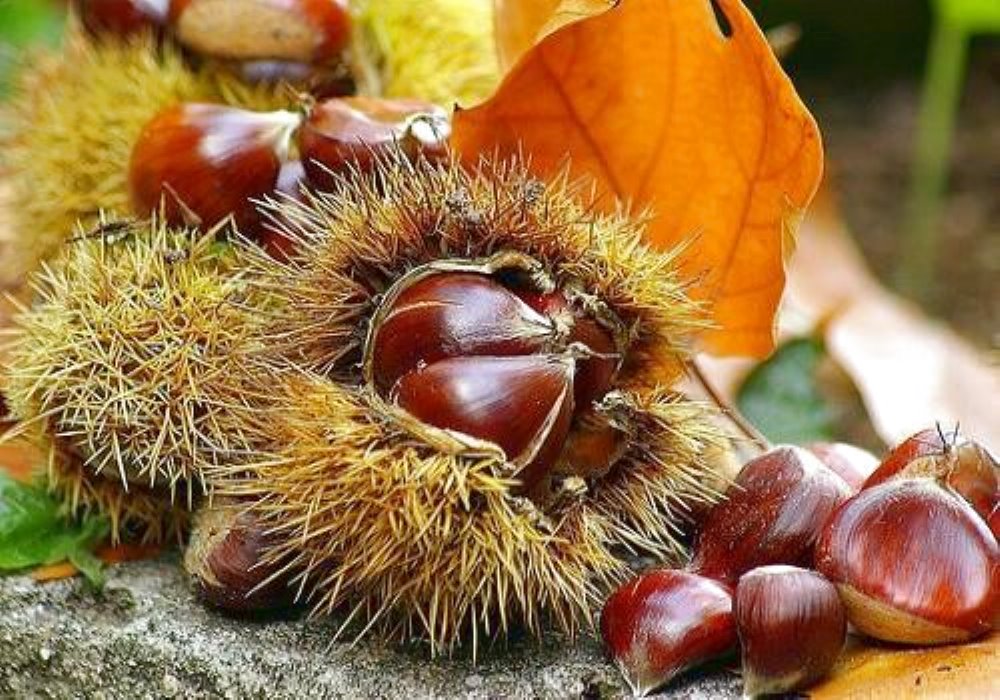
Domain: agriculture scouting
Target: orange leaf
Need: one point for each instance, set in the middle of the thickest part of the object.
(655, 103)
(520, 25)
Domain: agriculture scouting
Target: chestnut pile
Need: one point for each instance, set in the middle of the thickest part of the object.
(810, 540)
(203, 163)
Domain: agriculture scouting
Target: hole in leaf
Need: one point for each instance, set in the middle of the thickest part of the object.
(725, 26)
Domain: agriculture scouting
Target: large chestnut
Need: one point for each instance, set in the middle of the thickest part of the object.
(665, 622)
(913, 563)
(772, 514)
(205, 162)
(852, 464)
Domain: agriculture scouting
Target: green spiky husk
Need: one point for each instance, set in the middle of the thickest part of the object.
(421, 541)
(439, 50)
(122, 363)
(67, 131)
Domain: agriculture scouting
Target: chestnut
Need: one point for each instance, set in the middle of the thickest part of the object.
(665, 622)
(772, 514)
(792, 628)
(309, 31)
(524, 405)
(122, 17)
(451, 314)
(206, 162)
(913, 563)
(226, 560)
(346, 132)
(852, 464)
(963, 465)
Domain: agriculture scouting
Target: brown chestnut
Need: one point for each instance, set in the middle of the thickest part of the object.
(122, 17)
(791, 625)
(665, 622)
(852, 464)
(524, 405)
(913, 563)
(453, 314)
(226, 560)
(206, 162)
(772, 514)
(963, 465)
(310, 31)
(346, 132)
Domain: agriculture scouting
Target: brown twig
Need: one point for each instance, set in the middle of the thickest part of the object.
(731, 412)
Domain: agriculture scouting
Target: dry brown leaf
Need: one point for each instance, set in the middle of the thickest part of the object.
(965, 671)
(911, 371)
(659, 107)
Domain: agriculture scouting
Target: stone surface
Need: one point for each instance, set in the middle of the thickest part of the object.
(145, 636)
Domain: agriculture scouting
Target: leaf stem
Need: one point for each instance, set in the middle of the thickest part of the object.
(729, 411)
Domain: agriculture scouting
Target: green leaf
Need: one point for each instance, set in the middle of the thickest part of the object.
(34, 532)
(782, 397)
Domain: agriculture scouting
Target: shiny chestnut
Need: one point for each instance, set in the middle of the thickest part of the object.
(206, 162)
(913, 563)
(456, 349)
(963, 465)
(792, 628)
(665, 622)
(773, 514)
(346, 132)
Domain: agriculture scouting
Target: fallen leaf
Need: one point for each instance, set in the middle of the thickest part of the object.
(962, 671)
(54, 572)
(911, 371)
(520, 25)
(662, 108)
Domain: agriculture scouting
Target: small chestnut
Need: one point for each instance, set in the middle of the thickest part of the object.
(852, 464)
(665, 622)
(206, 162)
(122, 17)
(772, 514)
(913, 563)
(522, 404)
(225, 560)
(345, 132)
(791, 625)
(309, 31)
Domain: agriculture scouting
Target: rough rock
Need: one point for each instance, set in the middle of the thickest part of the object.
(145, 636)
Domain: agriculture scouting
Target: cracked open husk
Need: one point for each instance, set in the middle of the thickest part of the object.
(419, 536)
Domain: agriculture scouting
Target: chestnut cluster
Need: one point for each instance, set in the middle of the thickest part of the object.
(809, 540)
(203, 163)
(296, 40)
